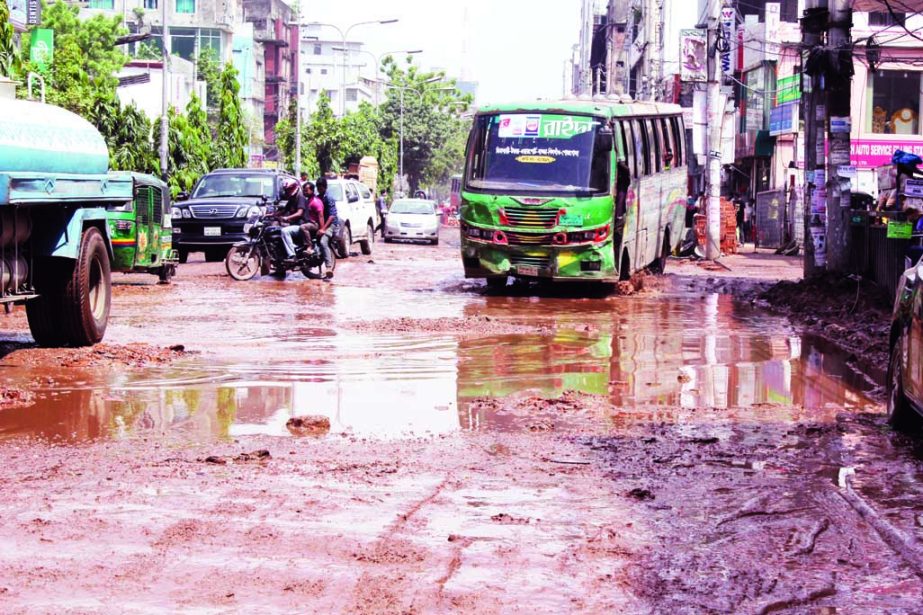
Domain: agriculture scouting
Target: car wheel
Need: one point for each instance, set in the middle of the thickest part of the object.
(900, 415)
(366, 244)
(183, 256)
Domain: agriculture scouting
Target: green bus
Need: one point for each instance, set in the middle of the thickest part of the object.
(572, 190)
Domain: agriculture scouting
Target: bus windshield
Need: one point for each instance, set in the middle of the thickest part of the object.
(538, 153)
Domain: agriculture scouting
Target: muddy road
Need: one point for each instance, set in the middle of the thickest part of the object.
(672, 450)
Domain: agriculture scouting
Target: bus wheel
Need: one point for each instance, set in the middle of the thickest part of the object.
(625, 267)
(660, 264)
(496, 283)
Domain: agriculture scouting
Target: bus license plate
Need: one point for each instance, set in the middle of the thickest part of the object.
(571, 220)
(212, 231)
(527, 270)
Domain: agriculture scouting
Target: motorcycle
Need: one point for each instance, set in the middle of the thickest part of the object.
(265, 254)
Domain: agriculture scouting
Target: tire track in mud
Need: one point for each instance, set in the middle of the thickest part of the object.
(766, 531)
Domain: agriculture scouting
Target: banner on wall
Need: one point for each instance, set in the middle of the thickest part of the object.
(692, 47)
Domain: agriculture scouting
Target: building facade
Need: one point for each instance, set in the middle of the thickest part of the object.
(275, 44)
(327, 65)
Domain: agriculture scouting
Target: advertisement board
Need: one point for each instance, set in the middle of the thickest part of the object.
(692, 47)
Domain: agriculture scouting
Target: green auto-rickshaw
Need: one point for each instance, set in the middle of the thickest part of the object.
(141, 232)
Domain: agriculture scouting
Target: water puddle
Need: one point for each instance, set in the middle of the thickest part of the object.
(648, 357)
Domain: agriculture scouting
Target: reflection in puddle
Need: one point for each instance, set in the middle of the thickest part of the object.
(647, 356)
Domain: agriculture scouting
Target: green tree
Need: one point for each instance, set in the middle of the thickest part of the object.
(128, 135)
(86, 58)
(231, 133)
(209, 70)
(322, 136)
(191, 149)
(432, 121)
(9, 55)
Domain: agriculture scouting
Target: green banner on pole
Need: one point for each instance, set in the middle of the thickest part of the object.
(41, 49)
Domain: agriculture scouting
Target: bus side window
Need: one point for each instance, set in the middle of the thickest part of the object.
(678, 140)
(644, 145)
(669, 149)
(627, 151)
(658, 143)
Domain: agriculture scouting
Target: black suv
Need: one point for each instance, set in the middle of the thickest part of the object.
(212, 218)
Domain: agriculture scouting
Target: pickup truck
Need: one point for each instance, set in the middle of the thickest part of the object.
(55, 247)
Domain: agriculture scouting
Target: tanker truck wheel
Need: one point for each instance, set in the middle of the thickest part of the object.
(74, 296)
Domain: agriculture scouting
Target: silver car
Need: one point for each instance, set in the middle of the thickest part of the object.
(412, 219)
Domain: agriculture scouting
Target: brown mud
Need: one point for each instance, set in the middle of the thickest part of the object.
(537, 449)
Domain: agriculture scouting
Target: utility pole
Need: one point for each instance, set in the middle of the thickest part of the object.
(164, 122)
(297, 118)
(715, 115)
(813, 222)
(838, 81)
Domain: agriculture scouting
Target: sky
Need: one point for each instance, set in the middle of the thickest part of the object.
(517, 49)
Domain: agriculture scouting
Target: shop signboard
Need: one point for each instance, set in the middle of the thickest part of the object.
(783, 119)
(872, 153)
(692, 46)
(755, 98)
(773, 35)
(41, 48)
(788, 89)
(728, 19)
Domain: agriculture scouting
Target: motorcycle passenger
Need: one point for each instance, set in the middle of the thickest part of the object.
(315, 214)
(292, 213)
(331, 226)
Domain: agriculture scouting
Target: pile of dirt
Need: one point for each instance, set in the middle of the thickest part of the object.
(853, 314)
(101, 355)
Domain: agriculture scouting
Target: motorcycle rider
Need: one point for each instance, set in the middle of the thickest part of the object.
(315, 214)
(331, 226)
(292, 213)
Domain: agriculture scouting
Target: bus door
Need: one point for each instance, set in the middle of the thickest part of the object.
(646, 191)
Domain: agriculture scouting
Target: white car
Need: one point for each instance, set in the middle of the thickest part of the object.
(412, 219)
(356, 210)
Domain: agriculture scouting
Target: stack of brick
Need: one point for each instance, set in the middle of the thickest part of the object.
(728, 227)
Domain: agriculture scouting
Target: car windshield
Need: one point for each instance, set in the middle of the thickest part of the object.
(413, 207)
(225, 185)
(335, 191)
(538, 153)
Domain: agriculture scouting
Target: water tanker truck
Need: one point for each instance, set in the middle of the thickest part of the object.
(55, 247)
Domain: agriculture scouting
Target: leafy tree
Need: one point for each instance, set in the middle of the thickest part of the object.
(285, 135)
(231, 137)
(209, 70)
(323, 136)
(432, 125)
(127, 131)
(191, 148)
(86, 58)
(9, 55)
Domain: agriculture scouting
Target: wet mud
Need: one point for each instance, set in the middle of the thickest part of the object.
(402, 440)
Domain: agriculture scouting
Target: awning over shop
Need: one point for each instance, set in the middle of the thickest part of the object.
(765, 144)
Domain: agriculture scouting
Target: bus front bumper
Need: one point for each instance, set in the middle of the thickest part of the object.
(586, 262)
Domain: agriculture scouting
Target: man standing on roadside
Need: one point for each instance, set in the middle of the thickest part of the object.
(331, 226)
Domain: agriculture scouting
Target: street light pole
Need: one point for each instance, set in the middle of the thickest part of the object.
(377, 59)
(165, 74)
(343, 36)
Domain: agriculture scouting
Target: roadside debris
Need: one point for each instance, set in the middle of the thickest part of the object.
(258, 455)
(311, 425)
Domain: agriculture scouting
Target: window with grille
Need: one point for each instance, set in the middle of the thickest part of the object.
(886, 19)
(150, 4)
(107, 5)
(185, 6)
